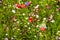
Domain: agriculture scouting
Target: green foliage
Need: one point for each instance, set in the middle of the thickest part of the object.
(25, 30)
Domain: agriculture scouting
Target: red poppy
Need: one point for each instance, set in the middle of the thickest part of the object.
(23, 6)
(30, 19)
(17, 5)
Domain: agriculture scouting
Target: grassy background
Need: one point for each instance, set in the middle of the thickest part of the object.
(11, 28)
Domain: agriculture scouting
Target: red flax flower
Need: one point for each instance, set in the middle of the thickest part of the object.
(30, 19)
(17, 5)
(43, 27)
(23, 6)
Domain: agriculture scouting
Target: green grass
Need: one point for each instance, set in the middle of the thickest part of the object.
(7, 26)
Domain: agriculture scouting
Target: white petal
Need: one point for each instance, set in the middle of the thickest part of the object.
(44, 18)
(26, 18)
(29, 28)
(37, 26)
(6, 34)
(35, 36)
(37, 16)
(23, 14)
(13, 11)
(28, 23)
(53, 21)
(36, 6)
(6, 39)
(18, 29)
(43, 25)
(17, 21)
(12, 38)
(56, 37)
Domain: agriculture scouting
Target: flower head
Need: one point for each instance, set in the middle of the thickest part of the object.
(17, 6)
(27, 3)
(43, 27)
(30, 19)
(23, 6)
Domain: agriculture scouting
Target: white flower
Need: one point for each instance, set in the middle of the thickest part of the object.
(20, 33)
(58, 33)
(5, 4)
(9, 5)
(56, 37)
(23, 14)
(12, 38)
(44, 11)
(59, 38)
(25, 25)
(28, 23)
(4, 7)
(43, 25)
(36, 6)
(17, 21)
(29, 28)
(18, 29)
(37, 26)
(57, 5)
(41, 34)
(33, 9)
(13, 11)
(35, 36)
(37, 16)
(6, 34)
(14, 28)
(33, 14)
(6, 39)
(44, 19)
(26, 18)
(53, 21)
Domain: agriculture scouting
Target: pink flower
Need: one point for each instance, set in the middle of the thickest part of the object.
(42, 29)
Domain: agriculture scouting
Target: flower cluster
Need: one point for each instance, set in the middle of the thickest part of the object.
(24, 5)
